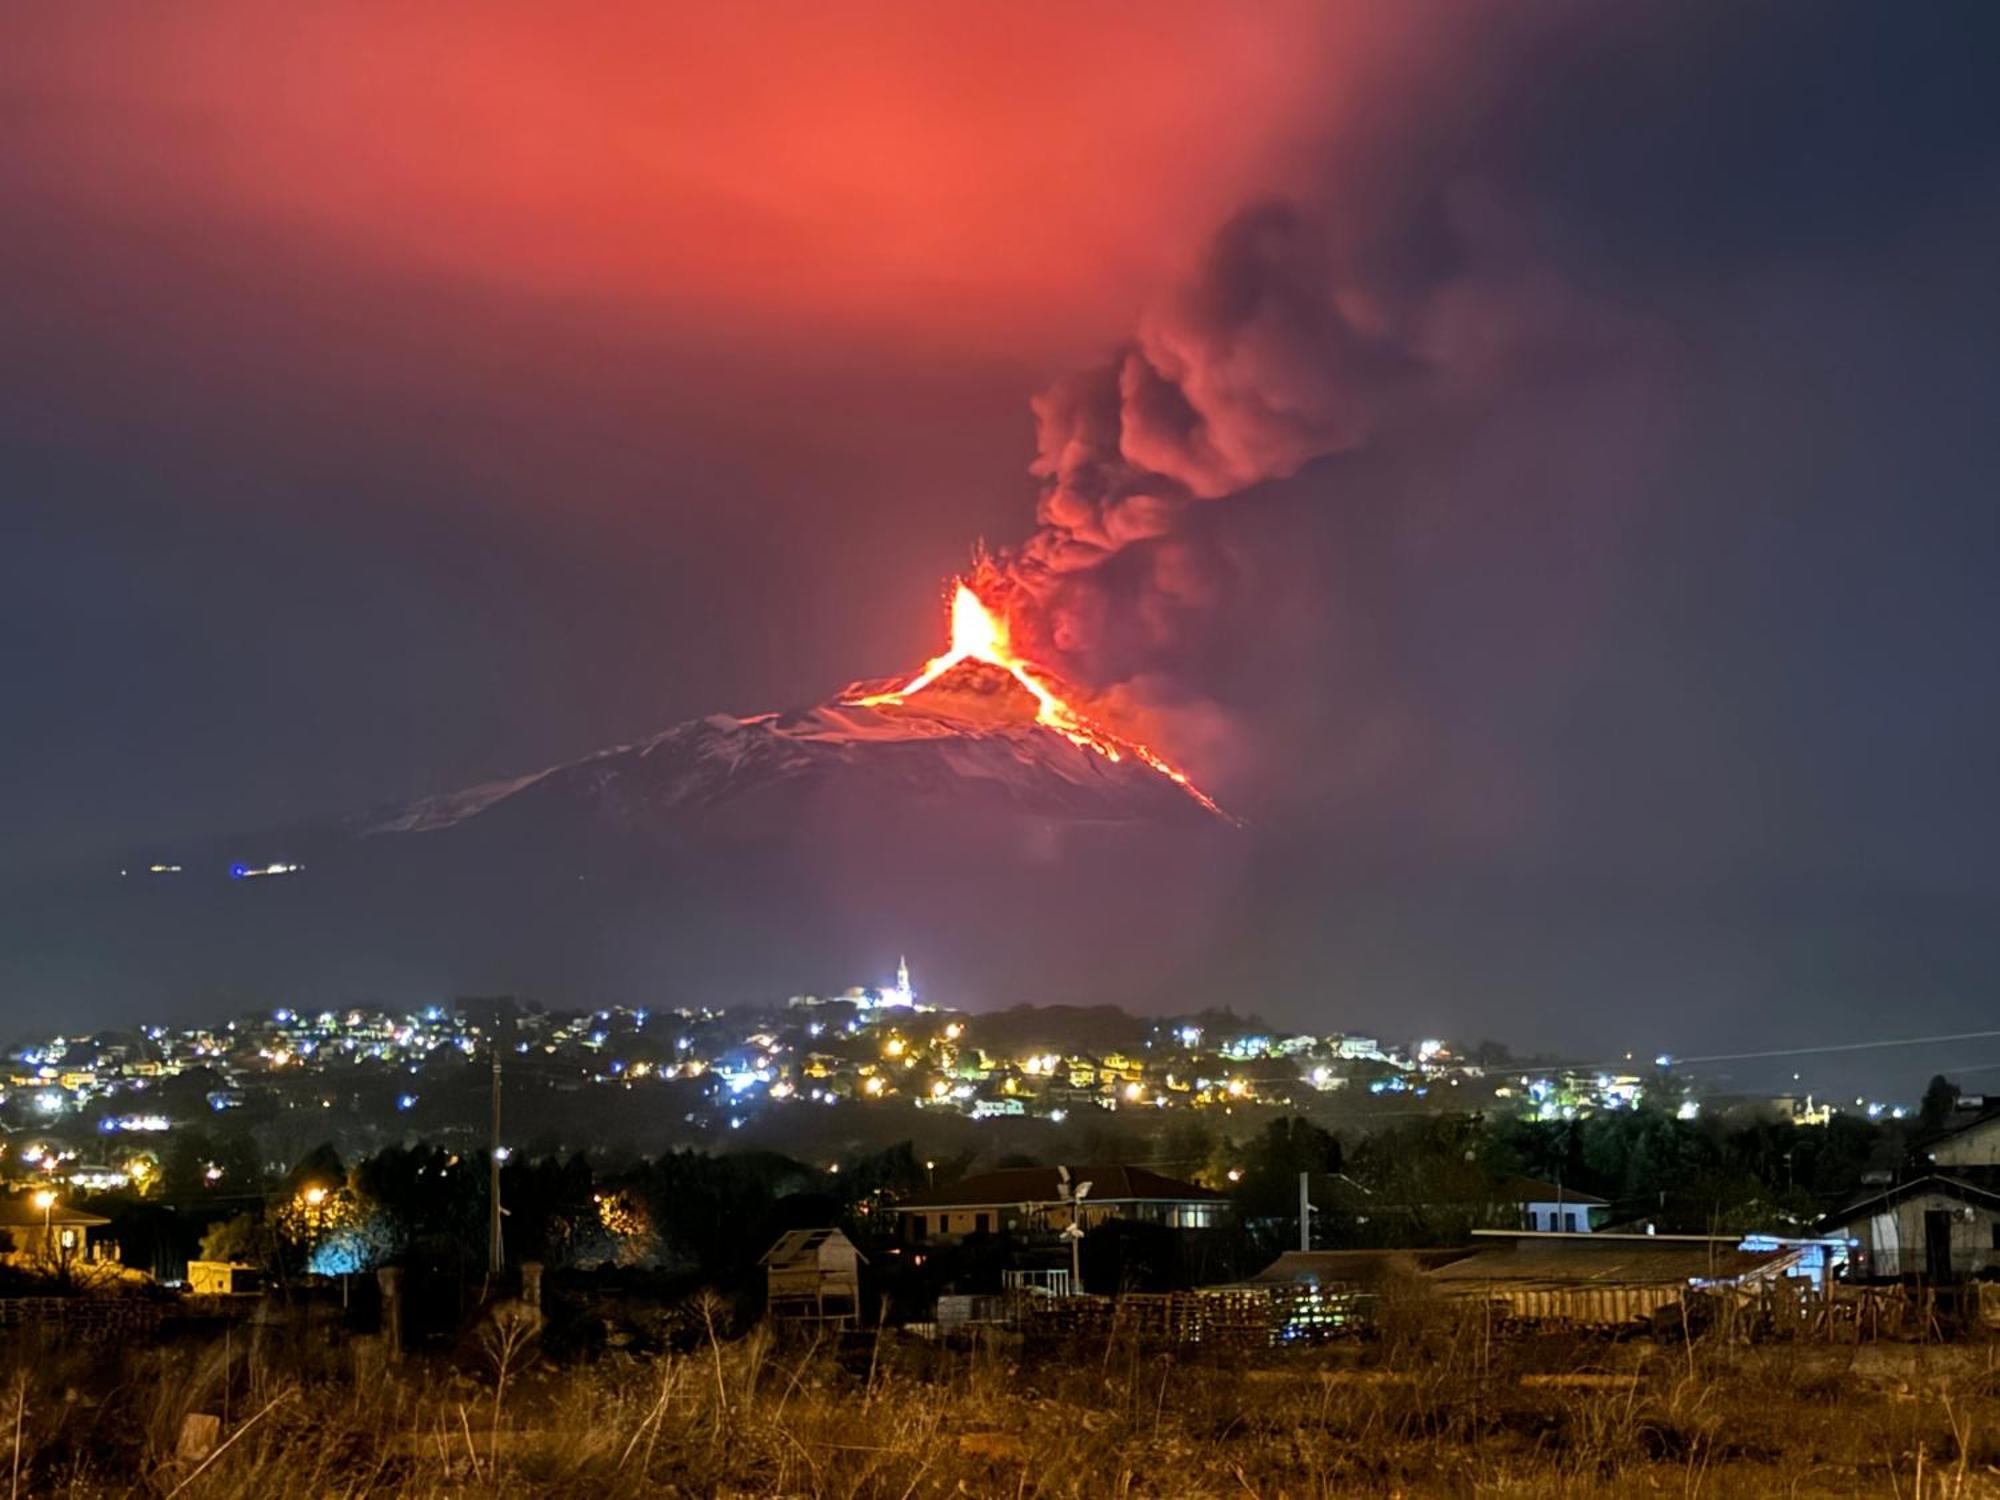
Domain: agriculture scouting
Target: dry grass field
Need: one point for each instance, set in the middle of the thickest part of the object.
(1427, 1410)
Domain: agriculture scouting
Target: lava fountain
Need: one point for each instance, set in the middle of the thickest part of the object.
(979, 635)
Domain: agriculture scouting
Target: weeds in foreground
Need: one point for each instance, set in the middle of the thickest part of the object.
(1437, 1407)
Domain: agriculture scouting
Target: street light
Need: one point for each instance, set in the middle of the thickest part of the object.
(45, 1200)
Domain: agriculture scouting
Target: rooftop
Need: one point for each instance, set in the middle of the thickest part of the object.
(19, 1210)
(1108, 1184)
(1559, 1260)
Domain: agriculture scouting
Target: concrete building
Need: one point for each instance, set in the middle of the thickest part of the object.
(1550, 1206)
(1967, 1150)
(1937, 1228)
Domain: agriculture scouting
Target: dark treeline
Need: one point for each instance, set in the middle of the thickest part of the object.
(705, 1218)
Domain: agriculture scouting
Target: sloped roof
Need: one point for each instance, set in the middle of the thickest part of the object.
(1560, 1260)
(1954, 1128)
(1108, 1184)
(804, 1244)
(1934, 1182)
(18, 1211)
(1534, 1190)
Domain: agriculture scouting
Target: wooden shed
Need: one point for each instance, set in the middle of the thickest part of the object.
(813, 1275)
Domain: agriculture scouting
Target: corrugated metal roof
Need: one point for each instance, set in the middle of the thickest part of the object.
(1599, 1260)
(803, 1244)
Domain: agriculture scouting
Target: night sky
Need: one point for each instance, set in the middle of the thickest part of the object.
(1563, 441)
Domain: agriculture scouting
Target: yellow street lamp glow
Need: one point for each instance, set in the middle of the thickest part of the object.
(315, 1196)
(45, 1200)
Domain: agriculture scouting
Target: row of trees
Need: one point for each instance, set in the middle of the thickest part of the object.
(1426, 1180)
(709, 1216)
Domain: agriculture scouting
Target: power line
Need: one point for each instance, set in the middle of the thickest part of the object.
(1676, 1060)
(1907, 1041)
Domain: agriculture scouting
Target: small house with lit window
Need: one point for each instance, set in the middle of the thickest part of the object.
(1035, 1201)
(42, 1229)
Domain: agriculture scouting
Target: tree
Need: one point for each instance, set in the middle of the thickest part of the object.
(1267, 1195)
(1940, 1099)
(246, 1240)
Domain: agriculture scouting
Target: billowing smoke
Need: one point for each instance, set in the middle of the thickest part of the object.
(1304, 333)
(1256, 368)
(1277, 351)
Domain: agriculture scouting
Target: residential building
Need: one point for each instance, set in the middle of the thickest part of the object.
(1551, 1206)
(1969, 1147)
(48, 1233)
(1046, 1200)
(1937, 1228)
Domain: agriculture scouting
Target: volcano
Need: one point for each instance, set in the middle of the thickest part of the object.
(969, 814)
(976, 729)
(968, 743)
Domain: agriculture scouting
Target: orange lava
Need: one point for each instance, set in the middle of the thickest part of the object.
(977, 634)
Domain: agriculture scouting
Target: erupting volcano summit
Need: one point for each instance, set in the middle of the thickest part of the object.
(979, 644)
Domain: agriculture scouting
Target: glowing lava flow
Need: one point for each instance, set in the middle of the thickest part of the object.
(979, 635)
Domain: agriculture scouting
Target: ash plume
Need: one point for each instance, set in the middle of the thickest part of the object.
(1251, 371)
(1299, 336)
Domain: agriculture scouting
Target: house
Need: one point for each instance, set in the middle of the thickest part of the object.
(1466, 1201)
(813, 1275)
(1937, 1227)
(1968, 1148)
(1046, 1200)
(1550, 1206)
(44, 1230)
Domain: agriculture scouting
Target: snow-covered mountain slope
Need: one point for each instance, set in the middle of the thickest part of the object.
(724, 860)
(970, 740)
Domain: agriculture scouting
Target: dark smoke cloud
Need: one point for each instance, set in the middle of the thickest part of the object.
(1498, 202)
(1251, 371)
(1308, 330)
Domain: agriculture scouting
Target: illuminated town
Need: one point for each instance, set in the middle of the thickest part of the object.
(96, 1111)
(1062, 750)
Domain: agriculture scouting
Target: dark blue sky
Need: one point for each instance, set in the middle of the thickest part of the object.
(384, 407)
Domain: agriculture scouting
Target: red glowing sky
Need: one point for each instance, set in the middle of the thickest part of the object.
(979, 170)
(395, 396)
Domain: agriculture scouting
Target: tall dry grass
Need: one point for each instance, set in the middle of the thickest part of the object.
(1436, 1406)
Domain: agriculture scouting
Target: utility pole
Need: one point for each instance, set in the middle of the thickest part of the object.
(496, 1252)
(1305, 1211)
